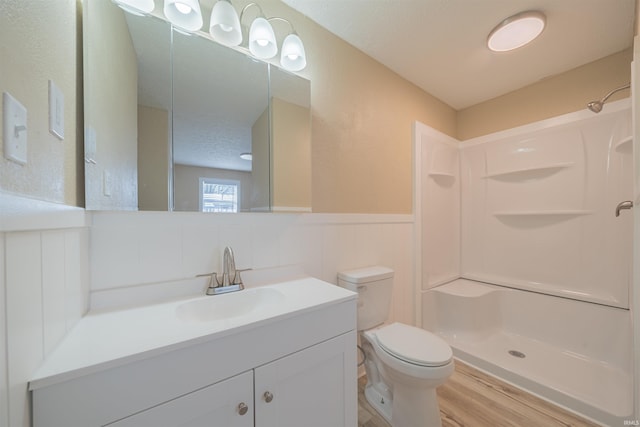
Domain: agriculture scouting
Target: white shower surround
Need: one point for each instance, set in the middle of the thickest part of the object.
(525, 197)
(568, 359)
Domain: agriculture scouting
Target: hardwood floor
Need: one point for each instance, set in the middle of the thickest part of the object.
(471, 398)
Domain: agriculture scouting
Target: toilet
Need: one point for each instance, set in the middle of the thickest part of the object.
(404, 364)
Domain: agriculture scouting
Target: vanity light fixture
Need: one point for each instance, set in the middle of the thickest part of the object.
(136, 7)
(262, 39)
(184, 14)
(263, 44)
(224, 25)
(292, 56)
(516, 31)
(246, 156)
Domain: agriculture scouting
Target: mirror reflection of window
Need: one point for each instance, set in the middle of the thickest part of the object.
(218, 195)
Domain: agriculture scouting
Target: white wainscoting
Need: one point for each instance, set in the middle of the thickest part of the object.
(148, 256)
(44, 289)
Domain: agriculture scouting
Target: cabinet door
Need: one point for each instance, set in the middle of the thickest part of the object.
(218, 405)
(315, 387)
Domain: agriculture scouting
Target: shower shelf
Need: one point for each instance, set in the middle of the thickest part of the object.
(624, 144)
(441, 173)
(543, 213)
(531, 171)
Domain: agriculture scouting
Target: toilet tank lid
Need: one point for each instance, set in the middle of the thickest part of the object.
(366, 274)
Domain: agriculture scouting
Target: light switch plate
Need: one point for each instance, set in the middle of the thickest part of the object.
(56, 110)
(90, 146)
(14, 119)
(106, 183)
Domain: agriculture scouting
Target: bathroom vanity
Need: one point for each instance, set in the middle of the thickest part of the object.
(277, 355)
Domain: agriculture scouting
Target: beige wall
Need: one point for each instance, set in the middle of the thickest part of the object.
(111, 109)
(153, 159)
(554, 96)
(38, 42)
(362, 112)
(362, 117)
(260, 175)
(290, 157)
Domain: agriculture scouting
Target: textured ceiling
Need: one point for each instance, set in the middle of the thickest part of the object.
(440, 45)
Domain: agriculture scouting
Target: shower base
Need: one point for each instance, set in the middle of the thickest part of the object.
(574, 354)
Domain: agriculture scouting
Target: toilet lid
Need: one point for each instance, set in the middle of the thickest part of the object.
(414, 345)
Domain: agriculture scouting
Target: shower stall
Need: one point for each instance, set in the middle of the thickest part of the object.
(526, 255)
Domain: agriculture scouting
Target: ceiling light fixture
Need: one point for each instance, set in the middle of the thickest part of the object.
(246, 156)
(184, 14)
(516, 31)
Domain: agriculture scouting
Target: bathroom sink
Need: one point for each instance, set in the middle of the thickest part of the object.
(231, 305)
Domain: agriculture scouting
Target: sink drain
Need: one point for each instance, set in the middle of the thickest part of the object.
(516, 353)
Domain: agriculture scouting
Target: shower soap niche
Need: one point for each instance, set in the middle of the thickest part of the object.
(543, 213)
(625, 144)
(532, 172)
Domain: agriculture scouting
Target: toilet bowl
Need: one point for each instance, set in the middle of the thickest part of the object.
(404, 364)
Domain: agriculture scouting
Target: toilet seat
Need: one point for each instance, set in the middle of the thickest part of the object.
(414, 345)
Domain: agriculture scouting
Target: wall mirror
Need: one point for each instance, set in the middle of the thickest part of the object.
(175, 121)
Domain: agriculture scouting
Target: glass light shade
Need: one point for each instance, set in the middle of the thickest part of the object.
(292, 56)
(516, 31)
(185, 14)
(262, 39)
(225, 24)
(137, 7)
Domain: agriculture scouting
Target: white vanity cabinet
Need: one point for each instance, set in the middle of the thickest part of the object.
(305, 388)
(228, 403)
(308, 388)
(292, 367)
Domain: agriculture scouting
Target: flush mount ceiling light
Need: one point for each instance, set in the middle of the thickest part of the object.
(184, 14)
(136, 7)
(516, 31)
(246, 156)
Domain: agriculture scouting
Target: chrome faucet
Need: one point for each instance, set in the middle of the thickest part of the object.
(231, 280)
(228, 267)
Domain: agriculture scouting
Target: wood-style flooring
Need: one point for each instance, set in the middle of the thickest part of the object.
(471, 398)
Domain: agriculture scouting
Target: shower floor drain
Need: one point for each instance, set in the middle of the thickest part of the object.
(516, 353)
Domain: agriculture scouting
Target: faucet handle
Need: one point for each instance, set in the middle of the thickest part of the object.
(213, 281)
(237, 280)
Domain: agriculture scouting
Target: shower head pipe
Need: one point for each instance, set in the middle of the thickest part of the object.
(596, 106)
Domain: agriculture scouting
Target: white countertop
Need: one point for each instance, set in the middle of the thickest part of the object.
(107, 339)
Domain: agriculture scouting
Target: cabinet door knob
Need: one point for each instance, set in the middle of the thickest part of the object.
(268, 396)
(242, 408)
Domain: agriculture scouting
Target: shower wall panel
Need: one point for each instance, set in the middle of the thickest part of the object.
(440, 207)
(538, 208)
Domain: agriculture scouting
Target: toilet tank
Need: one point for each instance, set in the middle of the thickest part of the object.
(374, 286)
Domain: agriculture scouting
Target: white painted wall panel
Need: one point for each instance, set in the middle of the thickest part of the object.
(24, 319)
(187, 244)
(4, 387)
(538, 207)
